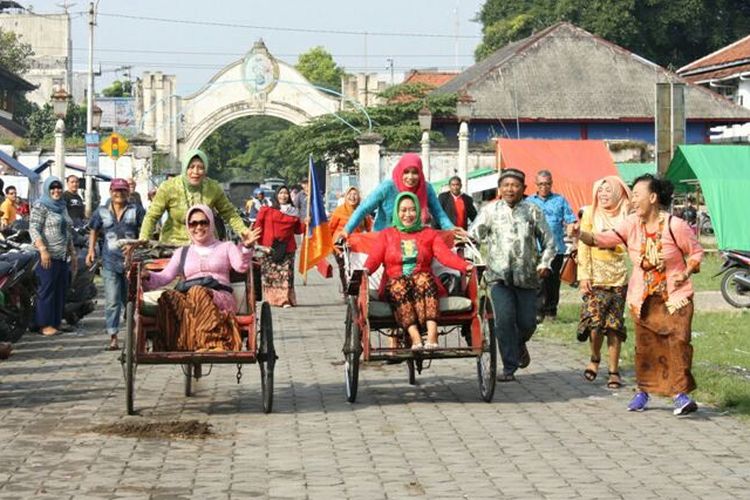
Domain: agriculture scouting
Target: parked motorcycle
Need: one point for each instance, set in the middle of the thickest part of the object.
(735, 285)
(17, 287)
(80, 298)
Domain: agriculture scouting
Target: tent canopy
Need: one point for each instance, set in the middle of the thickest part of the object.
(574, 165)
(18, 167)
(631, 171)
(474, 174)
(724, 175)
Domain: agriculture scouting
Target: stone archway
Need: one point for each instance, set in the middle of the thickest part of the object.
(258, 84)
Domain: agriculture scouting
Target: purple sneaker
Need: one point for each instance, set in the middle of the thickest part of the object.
(639, 401)
(683, 404)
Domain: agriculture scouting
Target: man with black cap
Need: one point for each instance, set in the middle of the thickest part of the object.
(514, 230)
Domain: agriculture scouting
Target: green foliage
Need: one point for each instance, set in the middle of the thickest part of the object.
(41, 125)
(119, 89)
(668, 32)
(318, 66)
(15, 55)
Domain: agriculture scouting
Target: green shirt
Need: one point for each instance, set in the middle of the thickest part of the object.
(175, 199)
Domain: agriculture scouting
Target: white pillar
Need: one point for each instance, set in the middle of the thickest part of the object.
(426, 168)
(369, 161)
(463, 153)
(60, 149)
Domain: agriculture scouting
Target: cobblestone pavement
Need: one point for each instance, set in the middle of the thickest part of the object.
(549, 435)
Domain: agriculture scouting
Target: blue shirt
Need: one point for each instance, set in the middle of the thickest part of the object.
(382, 201)
(128, 227)
(558, 213)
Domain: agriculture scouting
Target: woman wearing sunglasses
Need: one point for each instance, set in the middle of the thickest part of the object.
(50, 228)
(203, 317)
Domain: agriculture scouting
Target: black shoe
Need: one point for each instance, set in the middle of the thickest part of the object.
(524, 358)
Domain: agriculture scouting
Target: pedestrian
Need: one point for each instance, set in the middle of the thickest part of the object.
(121, 219)
(408, 176)
(300, 201)
(254, 204)
(176, 195)
(73, 201)
(9, 208)
(458, 206)
(559, 216)
(339, 218)
(202, 318)
(514, 230)
(664, 252)
(50, 228)
(406, 251)
(134, 196)
(602, 279)
(278, 224)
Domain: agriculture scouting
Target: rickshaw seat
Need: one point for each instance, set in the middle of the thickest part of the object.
(150, 301)
(448, 305)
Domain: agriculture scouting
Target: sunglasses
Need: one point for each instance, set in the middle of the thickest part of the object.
(197, 223)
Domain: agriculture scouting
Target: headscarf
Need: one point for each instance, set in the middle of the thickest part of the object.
(412, 160)
(57, 206)
(186, 163)
(345, 210)
(607, 218)
(211, 225)
(417, 226)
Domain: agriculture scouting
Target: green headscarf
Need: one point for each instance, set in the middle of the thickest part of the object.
(186, 162)
(417, 226)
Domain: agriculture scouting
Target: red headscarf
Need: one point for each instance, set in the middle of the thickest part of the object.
(412, 160)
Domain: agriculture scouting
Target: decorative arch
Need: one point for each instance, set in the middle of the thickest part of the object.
(256, 85)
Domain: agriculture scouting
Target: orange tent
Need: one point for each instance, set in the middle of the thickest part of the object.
(575, 165)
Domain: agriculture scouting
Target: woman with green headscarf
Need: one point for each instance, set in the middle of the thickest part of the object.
(176, 195)
(406, 250)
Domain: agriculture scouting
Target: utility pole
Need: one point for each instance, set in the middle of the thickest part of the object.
(90, 106)
(390, 66)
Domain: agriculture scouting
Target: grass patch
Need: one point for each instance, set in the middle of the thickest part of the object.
(704, 280)
(721, 359)
(187, 429)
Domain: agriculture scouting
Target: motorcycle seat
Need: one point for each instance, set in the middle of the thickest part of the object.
(741, 252)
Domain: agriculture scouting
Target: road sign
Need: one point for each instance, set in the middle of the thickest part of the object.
(115, 146)
(92, 153)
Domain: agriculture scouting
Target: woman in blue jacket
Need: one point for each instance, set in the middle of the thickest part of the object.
(407, 176)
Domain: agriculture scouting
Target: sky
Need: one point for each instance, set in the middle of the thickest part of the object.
(194, 50)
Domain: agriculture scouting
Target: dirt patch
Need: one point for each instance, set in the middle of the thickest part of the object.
(180, 429)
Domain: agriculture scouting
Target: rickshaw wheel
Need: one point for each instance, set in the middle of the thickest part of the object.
(352, 349)
(487, 361)
(188, 369)
(129, 358)
(266, 357)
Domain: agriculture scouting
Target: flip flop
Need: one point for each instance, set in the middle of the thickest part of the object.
(588, 373)
(50, 334)
(112, 347)
(614, 384)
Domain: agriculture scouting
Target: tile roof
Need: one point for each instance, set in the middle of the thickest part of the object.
(737, 53)
(566, 73)
(431, 78)
(718, 74)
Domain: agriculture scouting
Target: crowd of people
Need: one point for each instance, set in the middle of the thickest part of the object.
(526, 239)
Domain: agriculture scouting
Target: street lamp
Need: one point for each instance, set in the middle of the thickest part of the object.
(60, 108)
(96, 117)
(425, 124)
(464, 112)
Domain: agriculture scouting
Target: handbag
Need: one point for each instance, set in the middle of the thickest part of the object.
(569, 270)
(206, 281)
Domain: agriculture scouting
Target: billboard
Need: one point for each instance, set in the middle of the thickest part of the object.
(118, 114)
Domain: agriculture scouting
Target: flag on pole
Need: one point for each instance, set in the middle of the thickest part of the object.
(317, 243)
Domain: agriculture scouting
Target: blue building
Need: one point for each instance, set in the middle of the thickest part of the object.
(566, 83)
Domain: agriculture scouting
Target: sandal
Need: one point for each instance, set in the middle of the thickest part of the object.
(417, 347)
(588, 373)
(616, 383)
(506, 377)
(431, 346)
(50, 334)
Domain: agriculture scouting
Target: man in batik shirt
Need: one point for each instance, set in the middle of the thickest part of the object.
(513, 230)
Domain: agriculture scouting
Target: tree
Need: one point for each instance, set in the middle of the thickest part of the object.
(668, 32)
(41, 124)
(119, 88)
(15, 55)
(318, 66)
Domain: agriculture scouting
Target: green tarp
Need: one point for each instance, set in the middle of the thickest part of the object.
(438, 185)
(630, 171)
(724, 175)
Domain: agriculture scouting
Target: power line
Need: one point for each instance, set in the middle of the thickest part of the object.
(278, 28)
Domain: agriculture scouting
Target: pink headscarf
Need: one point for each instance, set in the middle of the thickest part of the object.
(211, 225)
(412, 160)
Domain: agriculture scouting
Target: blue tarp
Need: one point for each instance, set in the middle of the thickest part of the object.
(15, 165)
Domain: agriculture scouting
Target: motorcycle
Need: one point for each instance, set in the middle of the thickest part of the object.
(80, 297)
(735, 285)
(17, 287)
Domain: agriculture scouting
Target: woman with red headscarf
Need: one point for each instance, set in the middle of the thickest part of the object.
(407, 176)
